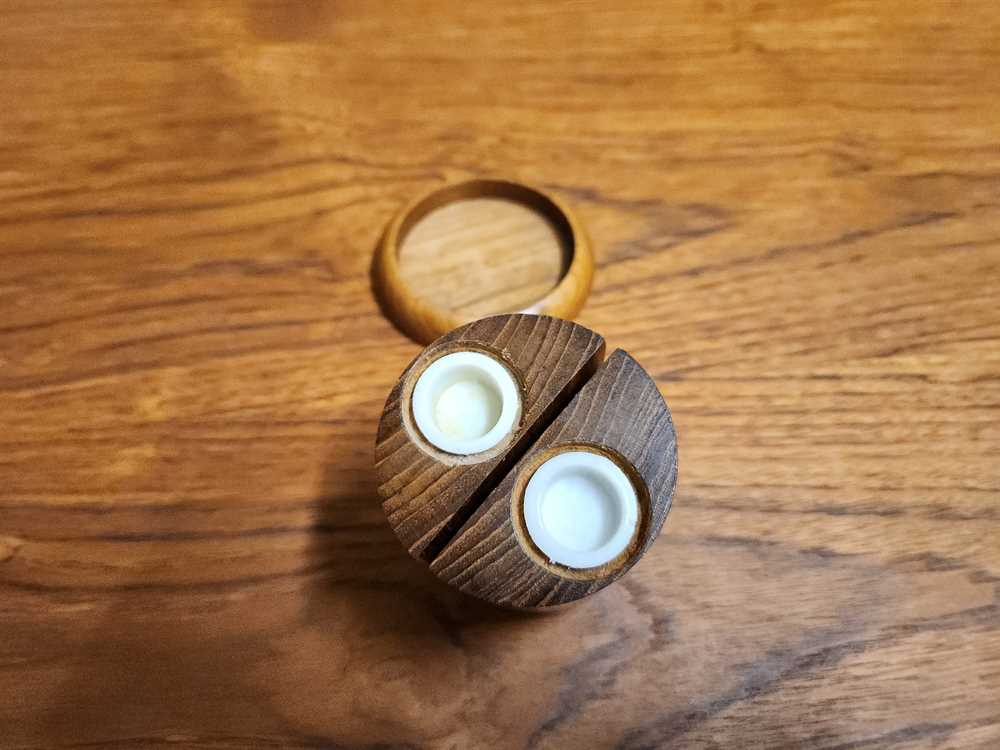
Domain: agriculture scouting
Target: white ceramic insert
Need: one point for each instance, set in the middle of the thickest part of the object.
(466, 403)
(580, 509)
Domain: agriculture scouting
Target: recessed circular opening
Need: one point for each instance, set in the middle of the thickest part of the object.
(468, 406)
(580, 509)
(465, 403)
(483, 256)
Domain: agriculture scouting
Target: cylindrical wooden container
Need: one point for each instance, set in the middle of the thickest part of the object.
(522, 468)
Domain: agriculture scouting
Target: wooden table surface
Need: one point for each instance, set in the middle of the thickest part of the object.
(795, 210)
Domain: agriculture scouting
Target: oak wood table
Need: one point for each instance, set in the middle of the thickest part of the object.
(795, 214)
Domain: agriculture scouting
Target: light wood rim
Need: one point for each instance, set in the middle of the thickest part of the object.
(424, 321)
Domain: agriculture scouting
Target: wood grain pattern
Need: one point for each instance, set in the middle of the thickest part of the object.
(483, 256)
(795, 210)
(619, 411)
(426, 493)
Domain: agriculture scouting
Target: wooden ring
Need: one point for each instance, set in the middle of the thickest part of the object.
(424, 321)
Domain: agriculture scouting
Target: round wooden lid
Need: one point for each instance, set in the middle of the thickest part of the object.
(425, 316)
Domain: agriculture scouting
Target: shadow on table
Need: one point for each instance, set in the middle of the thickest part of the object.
(360, 562)
(356, 628)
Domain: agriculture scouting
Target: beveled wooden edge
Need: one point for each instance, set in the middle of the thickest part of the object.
(424, 321)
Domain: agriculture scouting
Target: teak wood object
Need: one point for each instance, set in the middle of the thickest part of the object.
(464, 514)
(425, 319)
(795, 210)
